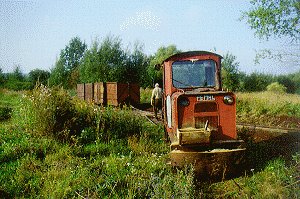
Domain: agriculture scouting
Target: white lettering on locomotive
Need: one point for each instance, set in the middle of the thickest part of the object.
(206, 98)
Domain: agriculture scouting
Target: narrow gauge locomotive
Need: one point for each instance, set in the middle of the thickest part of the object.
(199, 116)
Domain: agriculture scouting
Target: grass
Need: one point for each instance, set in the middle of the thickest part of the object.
(269, 108)
(276, 180)
(126, 159)
(117, 155)
(8, 100)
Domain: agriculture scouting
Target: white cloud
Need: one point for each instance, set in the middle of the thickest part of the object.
(144, 19)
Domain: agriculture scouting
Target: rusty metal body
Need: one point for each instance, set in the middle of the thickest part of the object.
(199, 116)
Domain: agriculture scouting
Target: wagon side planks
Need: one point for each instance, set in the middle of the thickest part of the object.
(109, 93)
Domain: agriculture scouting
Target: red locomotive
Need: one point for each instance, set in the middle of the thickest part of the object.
(199, 117)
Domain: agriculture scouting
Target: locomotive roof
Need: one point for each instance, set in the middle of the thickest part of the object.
(192, 53)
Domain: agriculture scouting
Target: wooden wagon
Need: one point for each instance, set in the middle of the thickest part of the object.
(109, 93)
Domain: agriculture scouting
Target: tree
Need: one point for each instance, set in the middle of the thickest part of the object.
(295, 77)
(274, 18)
(112, 58)
(16, 75)
(16, 80)
(256, 82)
(90, 69)
(230, 72)
(108, 61)
(65, 71)
(39, 76)
(103, 62)
(136, 65)
(2, 78)
(287, 83)
(278, 19)
(58, 74)
(161, 54)
(73, 53)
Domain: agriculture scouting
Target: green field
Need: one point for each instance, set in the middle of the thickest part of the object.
(55, 146)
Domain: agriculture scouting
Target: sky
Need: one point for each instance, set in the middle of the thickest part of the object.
(33, 32)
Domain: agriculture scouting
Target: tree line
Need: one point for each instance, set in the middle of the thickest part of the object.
(17, 80)
(236, 80)
(109, 61)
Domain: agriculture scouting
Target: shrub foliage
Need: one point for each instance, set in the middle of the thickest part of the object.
(276, 87)
(63, 148)
(53, 112)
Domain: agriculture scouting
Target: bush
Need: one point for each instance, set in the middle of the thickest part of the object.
(276, 87)
(53, 112)
(256, 82)
(117, 154)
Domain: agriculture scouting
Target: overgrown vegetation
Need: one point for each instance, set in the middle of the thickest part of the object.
(276, 180)
(269, 108)
(111, 153)
(55, 146)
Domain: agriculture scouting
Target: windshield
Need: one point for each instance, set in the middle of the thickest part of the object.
(194, 73)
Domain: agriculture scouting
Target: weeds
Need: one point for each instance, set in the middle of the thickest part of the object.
(107, 152)
(277, 180)
(112, 153)
(52, 112)
(269, 108)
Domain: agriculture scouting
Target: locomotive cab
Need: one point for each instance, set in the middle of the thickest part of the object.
(199, 116)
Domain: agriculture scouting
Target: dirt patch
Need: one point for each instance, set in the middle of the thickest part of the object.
(282, 121)
(289, 121)
(263, 145)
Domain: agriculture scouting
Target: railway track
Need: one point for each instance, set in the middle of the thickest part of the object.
(267, 128)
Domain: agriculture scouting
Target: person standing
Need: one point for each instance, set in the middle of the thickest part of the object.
(156, 99)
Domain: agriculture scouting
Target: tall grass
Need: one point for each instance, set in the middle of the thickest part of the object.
(269, 108)
(112, 154)
(7, 101)
(54, 113)
(276, 180)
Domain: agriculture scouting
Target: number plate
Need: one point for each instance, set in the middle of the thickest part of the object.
(206, 98)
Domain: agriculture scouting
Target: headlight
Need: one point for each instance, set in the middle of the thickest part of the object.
(228, 100)
(183, 101)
